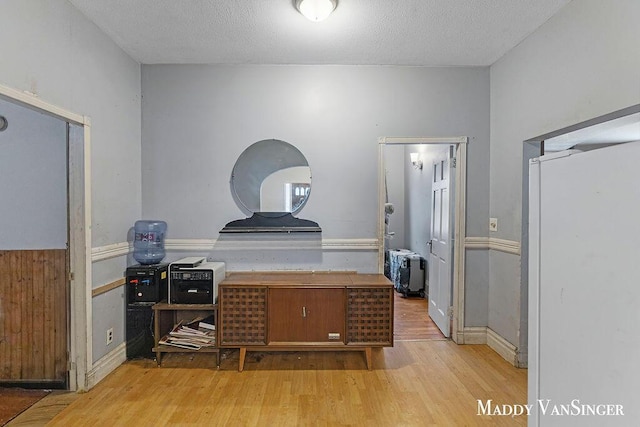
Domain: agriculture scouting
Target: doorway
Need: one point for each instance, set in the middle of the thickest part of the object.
(425, 162)
(33, 248)
(65, 263)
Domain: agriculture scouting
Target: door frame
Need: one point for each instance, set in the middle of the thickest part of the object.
(457, 327)
(79, 217)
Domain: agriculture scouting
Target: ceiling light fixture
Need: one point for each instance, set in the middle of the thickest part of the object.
(316, 10)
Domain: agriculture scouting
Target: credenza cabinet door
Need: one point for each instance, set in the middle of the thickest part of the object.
(286, 321)
(307, 315)
(325, 315)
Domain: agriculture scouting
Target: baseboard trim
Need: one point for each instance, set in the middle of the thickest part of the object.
(523, 359)
(504, 348)
(474, 335)
(106, 365)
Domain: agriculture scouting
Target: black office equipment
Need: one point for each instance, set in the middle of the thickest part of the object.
(146, 285)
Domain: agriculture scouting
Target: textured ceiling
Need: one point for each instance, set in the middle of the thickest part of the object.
(363, 32)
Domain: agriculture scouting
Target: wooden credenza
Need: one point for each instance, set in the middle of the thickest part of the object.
(305, 311)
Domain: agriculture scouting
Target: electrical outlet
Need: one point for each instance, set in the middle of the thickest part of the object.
(109, 336)
(493, 224)
(334, 335)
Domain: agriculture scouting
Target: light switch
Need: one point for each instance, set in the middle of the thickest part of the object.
(493, 224)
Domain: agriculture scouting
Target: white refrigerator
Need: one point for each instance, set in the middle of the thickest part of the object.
(584, 287)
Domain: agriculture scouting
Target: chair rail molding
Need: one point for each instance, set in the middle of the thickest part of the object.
(102, 253)
(493, 243)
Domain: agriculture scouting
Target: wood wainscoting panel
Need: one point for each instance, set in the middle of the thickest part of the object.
(33, 316)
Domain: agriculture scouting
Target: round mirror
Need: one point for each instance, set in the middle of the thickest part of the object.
(271, 176)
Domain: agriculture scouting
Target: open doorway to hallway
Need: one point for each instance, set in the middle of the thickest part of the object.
(421, 220)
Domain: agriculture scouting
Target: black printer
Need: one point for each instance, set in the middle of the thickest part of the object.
(194, 281)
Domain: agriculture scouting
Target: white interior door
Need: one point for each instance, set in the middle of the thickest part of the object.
(440, 285)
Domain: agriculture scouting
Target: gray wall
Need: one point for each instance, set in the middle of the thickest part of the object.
(395, 165)
(50, 49)
(197, 119)
(581, 64)
(33, 180)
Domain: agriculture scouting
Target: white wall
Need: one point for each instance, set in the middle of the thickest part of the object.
(33, 180)
(581, 64)
(197, 119)
(50, 49)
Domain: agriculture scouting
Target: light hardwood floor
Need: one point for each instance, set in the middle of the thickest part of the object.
(411, 320)
(415, 383)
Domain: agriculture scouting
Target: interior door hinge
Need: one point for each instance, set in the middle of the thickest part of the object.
(450, 312)
(454, 162)
(72, 276)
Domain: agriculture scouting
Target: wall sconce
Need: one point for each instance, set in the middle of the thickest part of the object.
(316, 10)
(415, 160)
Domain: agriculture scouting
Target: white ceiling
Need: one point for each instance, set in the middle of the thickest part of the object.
(362, 32)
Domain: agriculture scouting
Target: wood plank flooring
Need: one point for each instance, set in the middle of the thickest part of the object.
(45, 409)
(418, 382)
(13, 401)
(411, 320)
(415, 383)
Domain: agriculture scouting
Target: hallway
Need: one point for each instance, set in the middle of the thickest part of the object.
(412, 321)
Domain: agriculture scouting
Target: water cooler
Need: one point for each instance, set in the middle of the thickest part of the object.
(146, 285)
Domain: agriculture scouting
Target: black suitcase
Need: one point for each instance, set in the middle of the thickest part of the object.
(412, 276)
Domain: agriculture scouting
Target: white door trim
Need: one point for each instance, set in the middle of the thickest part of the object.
(79, 205)
(457, 329)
